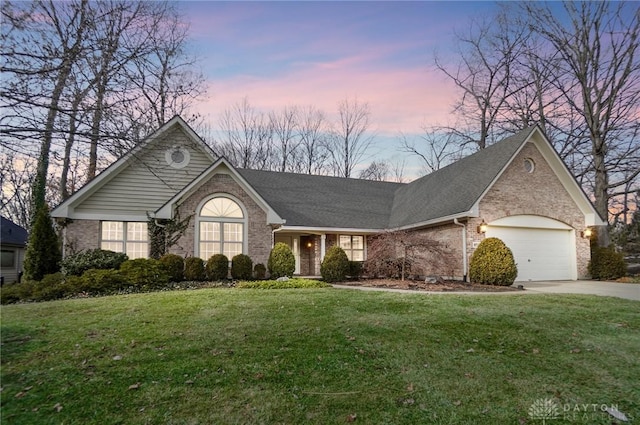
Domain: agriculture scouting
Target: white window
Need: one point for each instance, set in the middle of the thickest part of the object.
(132, 238)
(221, 228)
(353, 246)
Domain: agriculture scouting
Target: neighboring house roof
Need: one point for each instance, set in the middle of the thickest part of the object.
(320, 201)
(454, 189)
(12, 234)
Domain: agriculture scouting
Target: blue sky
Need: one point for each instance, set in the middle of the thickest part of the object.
(318, 53)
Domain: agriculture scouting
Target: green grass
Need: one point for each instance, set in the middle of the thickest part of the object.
(322, 356)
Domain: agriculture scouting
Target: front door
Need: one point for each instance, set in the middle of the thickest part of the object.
(293, 242)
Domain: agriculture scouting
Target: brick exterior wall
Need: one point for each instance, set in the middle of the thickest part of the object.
(539, 193)
(446, 261)
(259, 233)
(80, 235)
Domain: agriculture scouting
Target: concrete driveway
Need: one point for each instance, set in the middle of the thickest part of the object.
(628, 291)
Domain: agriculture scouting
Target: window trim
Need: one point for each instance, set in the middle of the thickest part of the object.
(349, 252)
(124, 240)
(222, 220)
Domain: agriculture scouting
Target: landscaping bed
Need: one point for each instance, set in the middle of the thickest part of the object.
(421, 285)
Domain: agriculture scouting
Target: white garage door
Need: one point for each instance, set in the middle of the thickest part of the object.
(540, 253)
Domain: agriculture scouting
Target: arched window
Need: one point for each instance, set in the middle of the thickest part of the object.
(221, 227)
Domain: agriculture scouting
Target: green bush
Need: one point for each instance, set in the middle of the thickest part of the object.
(51, 287)
(99, 281)
(77, 264)
(14, 292)
(145, 272)
(259, 271)
(282, 284)
(241, 267)
(335, 266)
(42, 255)
(194, 269)
(606, 264)
(281, 261)
(174, 266)
(492, 263)
(355, 269)
(217, 267)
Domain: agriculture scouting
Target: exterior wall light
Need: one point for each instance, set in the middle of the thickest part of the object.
(586, 233)
(482, 228)
(309, 244)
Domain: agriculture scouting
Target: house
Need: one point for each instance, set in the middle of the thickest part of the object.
(13, 240)
(518, 190)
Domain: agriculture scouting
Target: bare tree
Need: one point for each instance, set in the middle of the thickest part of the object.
(247, 137)
(400, 253)
(284, 125)
(436, 147)
(599, 78)
(377, 170)
(487, 52)
(350, 138)
(312, 129)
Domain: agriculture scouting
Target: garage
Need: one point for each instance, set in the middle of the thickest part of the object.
(543, 248)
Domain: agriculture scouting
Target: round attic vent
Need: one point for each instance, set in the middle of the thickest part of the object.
(177, 157)
(529, 165)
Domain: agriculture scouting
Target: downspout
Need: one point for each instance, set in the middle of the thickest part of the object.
(464, 248)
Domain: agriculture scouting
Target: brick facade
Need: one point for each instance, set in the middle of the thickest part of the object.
(259, 233)
(541, 193)
(80, 235)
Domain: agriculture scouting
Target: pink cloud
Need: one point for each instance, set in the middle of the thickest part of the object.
(400, 99)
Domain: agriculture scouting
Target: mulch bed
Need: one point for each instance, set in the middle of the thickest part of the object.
(419, 285)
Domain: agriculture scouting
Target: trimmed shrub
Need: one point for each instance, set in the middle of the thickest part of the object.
(194, 269)
(259, 271)
(146, 272)
(102, 281)
(355, 269)
(43, 250)
(102, 259)
(335, 266)
(51, 287)
(241, 267)
(492, 263)
(218, 267)
(281, 261)
(174, 266)
(282, 284)
(606, 264)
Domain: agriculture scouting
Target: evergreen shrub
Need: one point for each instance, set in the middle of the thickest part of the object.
(259, 271)
(241, 267)
(102, 259)
(492, 263)
(174, 266)
(335, 266)
(606, 264)
(217, 267)
(194, 269)
(281, 261)
(144, 272)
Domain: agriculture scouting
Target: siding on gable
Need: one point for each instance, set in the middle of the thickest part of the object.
(148, 181)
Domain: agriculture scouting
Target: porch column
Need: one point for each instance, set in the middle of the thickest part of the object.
(323, 246)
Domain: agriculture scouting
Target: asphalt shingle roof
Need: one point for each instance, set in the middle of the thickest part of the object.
(455, 188)
(321, 201)
(335, 202)
(11, 233)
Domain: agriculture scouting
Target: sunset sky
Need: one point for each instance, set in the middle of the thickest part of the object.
(319, 53)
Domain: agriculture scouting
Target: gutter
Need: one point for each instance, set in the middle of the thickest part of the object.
(464, 248)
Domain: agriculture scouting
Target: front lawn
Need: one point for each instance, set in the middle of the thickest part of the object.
(322, 356)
